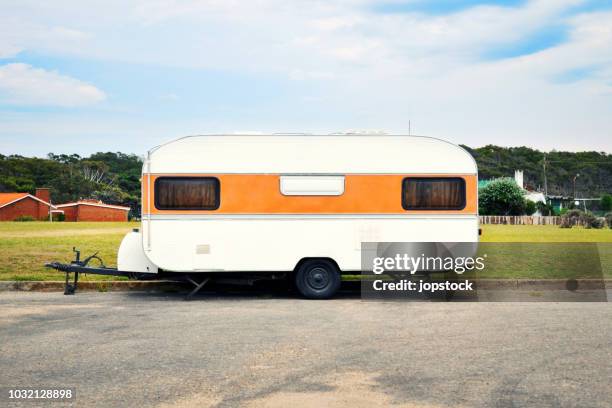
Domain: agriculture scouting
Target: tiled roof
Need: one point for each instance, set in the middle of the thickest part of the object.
(93, 204)
(8, 198)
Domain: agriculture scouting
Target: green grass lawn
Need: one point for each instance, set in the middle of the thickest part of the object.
(540, 261)
(543, 233)
(26, 246)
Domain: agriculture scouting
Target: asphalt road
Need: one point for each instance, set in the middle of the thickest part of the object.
(264, 350)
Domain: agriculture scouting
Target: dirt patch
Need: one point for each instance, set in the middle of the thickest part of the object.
(279, 356)
(353, 389)
(342, 390)
(206, 399)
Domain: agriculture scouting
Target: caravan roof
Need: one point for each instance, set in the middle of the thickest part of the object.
(310, 154)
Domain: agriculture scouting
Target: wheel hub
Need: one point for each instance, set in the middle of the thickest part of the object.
(317, 278)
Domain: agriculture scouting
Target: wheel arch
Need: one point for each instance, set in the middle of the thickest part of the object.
(311, 258)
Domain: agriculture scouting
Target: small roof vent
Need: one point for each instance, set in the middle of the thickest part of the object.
(360, 132)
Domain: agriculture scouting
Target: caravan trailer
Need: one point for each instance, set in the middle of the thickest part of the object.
(300, 205)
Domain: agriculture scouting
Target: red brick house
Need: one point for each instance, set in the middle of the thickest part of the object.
(93, 210)
(14, 205)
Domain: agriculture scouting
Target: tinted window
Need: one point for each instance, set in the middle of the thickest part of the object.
(423, 193)
(187, 193)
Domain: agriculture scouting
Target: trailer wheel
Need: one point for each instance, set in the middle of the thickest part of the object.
(317, 279)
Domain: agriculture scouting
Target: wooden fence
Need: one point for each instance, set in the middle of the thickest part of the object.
(520, 220)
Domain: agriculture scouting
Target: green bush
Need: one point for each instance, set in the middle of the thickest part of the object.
(575, 217)
(501, 197)
(23, 218)
(570, 218)
(597, 223)
(530, 207)
(608, 218)
(589, 220)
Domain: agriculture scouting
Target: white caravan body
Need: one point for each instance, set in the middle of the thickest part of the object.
(251, 203)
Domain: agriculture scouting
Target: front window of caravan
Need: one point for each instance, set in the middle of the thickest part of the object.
(187, 193)
(429, 193)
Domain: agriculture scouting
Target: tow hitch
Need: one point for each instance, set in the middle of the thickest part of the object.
(197, 280)
(78, 266)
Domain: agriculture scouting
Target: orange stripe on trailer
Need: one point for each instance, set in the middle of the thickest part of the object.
(260, 194)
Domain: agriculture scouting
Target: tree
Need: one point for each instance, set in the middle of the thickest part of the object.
(595, 168)
(501, 197)
(111, 177)
(606, 202)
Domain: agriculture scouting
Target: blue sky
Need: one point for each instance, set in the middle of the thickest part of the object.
(125, 76)
(439, 7)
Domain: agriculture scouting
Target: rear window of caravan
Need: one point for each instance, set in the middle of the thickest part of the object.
(433, 193)
(187, 193)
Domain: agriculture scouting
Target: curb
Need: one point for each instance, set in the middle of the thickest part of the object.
(544, 284)
(170, 286)
(98, 286)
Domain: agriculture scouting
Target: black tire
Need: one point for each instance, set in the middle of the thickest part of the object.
(317, 279)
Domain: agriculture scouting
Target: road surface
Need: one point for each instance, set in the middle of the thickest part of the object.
(267, 350)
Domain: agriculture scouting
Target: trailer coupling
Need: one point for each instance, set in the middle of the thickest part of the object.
(197, 280)
(78, 266)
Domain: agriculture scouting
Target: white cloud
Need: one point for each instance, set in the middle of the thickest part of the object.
(384, 68)
(299, 75)
(19, 34)
(22, 84)
(335, 23)
(271, 35)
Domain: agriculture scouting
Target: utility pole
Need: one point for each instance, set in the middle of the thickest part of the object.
(575, 177)
(545, 180)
